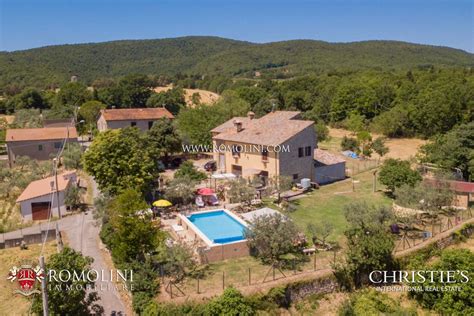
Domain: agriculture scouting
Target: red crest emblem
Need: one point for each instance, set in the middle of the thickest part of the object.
(26, 276)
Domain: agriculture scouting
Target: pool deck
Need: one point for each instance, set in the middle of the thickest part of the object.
(203, 236)
(206, 249)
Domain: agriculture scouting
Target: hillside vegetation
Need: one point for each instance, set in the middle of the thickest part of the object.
(53, 65)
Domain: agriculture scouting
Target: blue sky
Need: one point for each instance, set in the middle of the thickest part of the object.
(34, 23)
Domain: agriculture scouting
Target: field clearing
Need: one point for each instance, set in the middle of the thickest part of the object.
(16, 304)
(207, 97)
(235, 272)
(10, 216)
(327, 203)
(8, 118)
(400, 148)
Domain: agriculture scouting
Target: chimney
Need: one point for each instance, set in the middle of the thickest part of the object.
(250, 115)
(238, 125)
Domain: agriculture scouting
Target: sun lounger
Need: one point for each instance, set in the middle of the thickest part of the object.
(199, 201)
(213, 200)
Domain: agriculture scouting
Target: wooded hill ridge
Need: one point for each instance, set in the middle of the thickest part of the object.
(203, 55)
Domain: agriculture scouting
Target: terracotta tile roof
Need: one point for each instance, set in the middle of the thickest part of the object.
(326, 158)
(230, 124)
(43, 187)
(46, 133)
(272, 129)
(135, 114)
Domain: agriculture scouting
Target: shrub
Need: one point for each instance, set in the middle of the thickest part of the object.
(140, 301)
(230, 303)
(187, 170)
(372, 302)
(449, 302)
(278, 296)
(349, 143)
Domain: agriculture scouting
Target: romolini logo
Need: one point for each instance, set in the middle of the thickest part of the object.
(26, 277)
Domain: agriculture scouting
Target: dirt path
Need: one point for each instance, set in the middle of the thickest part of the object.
(428, 242)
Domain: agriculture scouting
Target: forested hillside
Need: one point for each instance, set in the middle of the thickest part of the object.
(52, 66)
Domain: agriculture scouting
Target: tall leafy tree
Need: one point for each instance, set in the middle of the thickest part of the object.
(369, 244)
(173, 100)
(395, 172)
(195, 124)
(120, 159)
(133, 236)
(454, 150)
(163, 138)
(28, 99)
(90, 111)
(135, 90)
(272, 237)
(378, 145)
(76, 300)
(72, 94)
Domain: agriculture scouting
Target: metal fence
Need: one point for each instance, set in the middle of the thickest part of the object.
(222, 275)
(430, 229)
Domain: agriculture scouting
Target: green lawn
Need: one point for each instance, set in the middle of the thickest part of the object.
(328, 203)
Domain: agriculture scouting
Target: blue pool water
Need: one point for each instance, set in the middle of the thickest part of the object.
(218, 226)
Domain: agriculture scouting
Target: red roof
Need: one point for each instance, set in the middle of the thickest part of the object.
(457, 186)
(135, 114)
(46, 186)
(46, 133)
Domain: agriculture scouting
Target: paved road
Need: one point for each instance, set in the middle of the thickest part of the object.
(83, 235)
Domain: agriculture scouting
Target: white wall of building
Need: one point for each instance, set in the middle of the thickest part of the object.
(330, 173)
(26, 211)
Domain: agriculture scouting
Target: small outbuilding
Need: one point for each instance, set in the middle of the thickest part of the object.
(463, 191)
(35, 200)
(328, 167)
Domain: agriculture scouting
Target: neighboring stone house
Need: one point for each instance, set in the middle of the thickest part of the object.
(35, 200)
(37, 143)
(328, 167)
(279, 143)
(143, 118)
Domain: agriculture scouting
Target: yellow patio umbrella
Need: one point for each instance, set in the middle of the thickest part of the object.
(162, 203)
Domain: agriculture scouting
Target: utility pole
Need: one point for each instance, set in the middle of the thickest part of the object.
(44, 290)
(59, 240)
(55, 160)
(374, 185)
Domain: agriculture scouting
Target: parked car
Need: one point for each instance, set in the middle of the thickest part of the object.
(210, 166)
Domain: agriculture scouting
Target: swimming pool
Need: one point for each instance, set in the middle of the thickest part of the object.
(218, 226)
